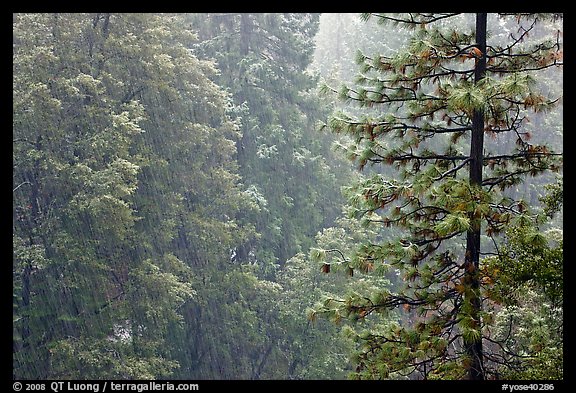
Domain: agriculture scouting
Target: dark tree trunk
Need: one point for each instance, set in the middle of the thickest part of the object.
(25, 294)
(245, 34)
(258, 370)
(472, 259)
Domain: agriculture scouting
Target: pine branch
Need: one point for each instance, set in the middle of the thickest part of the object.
(412, 20)
(453, 170)
(430, 157)
(342, 256)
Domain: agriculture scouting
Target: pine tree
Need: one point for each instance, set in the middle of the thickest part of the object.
(438, 99)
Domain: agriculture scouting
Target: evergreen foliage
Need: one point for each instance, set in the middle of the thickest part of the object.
(124, 172)
(160, 185)
(436, 101)
(263, 60)
(176, 209)
(288, 172)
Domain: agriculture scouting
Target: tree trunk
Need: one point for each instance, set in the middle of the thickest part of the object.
(256, 372)
(245, 34)
(473, 346)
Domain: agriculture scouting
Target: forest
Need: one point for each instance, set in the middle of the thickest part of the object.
(287, 196)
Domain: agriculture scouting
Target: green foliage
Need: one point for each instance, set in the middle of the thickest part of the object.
(175, 211)
(530, 258)
(410, 118)
(123, 174)
(553, 200)
(94, 358)
(279, 154)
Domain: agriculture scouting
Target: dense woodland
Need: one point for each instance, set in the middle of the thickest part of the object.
(287, 196)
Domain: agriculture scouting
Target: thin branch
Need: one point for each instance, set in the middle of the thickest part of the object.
(415, 21)
(23, 140)
(455, 169)
(20, 185)
(344, 259)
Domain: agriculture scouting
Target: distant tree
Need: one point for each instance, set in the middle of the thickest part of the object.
(263, 60)
(244, 327)
(438, 99)
(342, 34)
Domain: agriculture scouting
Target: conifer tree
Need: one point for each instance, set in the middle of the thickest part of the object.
(263, 59)
(439, 99)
